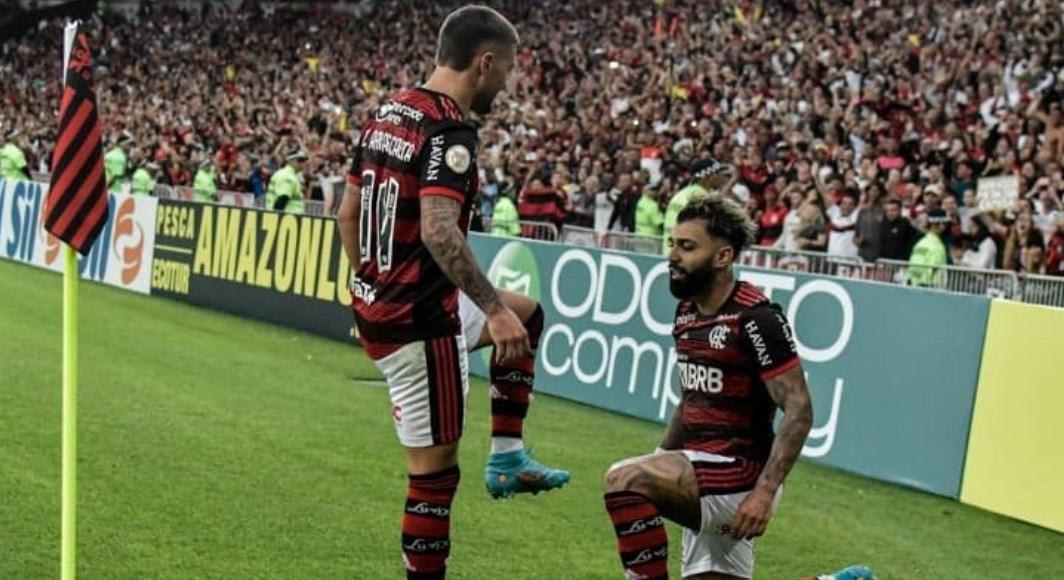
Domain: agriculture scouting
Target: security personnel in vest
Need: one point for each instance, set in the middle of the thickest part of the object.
(505, 220)
(12, 160)
(204, 185)
(929, 254)
(285, 191)
(707, 176)
(114, 162)
(144, 179)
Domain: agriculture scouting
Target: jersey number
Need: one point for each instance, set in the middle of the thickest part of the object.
(380, 200)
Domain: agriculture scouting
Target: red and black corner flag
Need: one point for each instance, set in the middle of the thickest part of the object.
(76, 208)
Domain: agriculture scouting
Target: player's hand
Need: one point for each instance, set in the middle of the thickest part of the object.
(509, 335)
(753, 514)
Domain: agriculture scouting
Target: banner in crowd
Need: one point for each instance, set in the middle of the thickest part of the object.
(892, 370)
(1015, 466)
(995, 193)
(121, 255)
(281, 268)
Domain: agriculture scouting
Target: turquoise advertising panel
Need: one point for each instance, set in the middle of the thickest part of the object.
(892, 370)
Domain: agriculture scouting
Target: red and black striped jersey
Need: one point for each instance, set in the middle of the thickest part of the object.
(417, 145)
(724, 362)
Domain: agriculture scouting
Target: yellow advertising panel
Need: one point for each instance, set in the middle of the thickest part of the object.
(1015, 463)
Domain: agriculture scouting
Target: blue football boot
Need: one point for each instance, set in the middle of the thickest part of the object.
(516, 472)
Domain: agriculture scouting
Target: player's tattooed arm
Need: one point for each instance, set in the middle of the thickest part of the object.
(443, 238)
(791, 394)
(347, 222)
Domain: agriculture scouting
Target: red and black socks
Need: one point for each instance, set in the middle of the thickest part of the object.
(641, 538)
(427, 524)
(511, 391)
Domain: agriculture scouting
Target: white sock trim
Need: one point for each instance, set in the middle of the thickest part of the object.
(506, 444)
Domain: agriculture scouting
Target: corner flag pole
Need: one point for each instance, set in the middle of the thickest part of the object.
(75, 211)
(68, 547)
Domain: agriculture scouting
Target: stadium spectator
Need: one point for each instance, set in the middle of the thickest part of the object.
(707, 176)
(541, 203)
(582, 202)
(812, 229)
(648, 215)
(770, 219)
(929, 254)
(963, 180)
(1055, 250)
(13, 161)
(979, 249)
(1022, 235)
(285, 191)
(623, 196)
(968, 211)
(204, 184)
(869, 223)
(143, 181)
(114, 164)
(604, 208)
(897, 234)
(504, 219)
(955, 230)
(1034, 259)
(830, 93)
(842, 226)
(1048, 208)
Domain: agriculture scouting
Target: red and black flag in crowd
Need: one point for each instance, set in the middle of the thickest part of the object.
(76, 208)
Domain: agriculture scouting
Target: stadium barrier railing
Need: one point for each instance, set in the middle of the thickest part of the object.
(956, 279)
(1034, 289)
(163, 191)
(1044, 290)
(580, 236)
(235, 198)
(803, 261)
(610, 240)
(544, 231)
(314, 207)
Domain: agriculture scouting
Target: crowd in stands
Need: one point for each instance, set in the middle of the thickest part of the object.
(855, 128)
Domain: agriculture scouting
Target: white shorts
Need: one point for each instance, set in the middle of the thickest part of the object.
(710, 549)
(428, 382)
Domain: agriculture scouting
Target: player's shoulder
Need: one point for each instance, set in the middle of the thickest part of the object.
(752, 305)
(749, 297)
(429, 107)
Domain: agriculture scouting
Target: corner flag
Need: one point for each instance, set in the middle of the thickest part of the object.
(75, 212)
(76, 208)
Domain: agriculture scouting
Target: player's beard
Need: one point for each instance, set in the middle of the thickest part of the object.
(690, 283)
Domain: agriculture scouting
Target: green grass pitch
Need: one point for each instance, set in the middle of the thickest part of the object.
(216, 447)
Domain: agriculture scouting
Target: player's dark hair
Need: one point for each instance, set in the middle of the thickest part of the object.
(468, 29)
(724, 219)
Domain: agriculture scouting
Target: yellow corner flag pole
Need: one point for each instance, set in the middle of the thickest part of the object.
(70, 413)
(69, 541)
